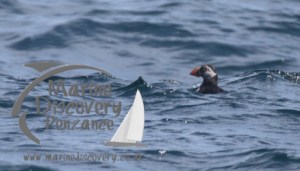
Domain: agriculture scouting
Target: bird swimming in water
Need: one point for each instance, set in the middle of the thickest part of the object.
(210, 79)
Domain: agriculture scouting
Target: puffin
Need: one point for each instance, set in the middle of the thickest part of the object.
(210, 79)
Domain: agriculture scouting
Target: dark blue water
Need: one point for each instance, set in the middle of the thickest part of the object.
(254, 46)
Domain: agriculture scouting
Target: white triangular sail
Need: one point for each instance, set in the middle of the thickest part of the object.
(132, 127)
(136, 127)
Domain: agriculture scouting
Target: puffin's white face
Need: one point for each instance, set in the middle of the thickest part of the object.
(208, 72)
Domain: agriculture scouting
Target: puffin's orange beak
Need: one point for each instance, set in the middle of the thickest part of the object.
(195, 72)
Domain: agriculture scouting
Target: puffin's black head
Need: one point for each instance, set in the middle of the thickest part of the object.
(206, 71)
(210, 79)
